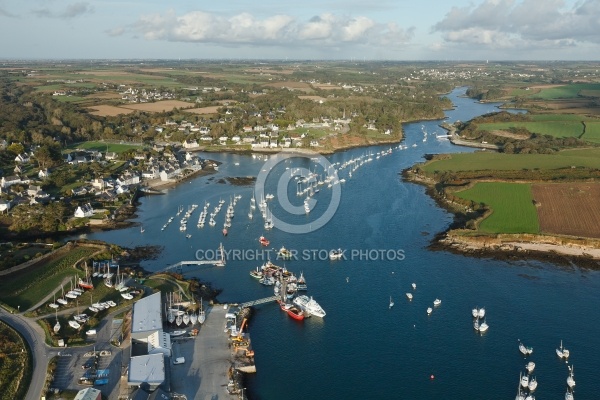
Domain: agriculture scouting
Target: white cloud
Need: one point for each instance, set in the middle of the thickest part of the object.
(71, 11)
(521, 25)
(326, 30)
(119, 31)
(76, 9)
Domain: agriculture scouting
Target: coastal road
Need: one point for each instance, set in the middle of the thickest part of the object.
(34, 335)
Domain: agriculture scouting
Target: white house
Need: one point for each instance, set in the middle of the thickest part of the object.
(22, 158)
(33, 190)
(128, 178)
(8, 181)
(122, 189)
(43, 174)
(169, 174)
(189, 144)
(150, 174)
(80, 191)
(84, 211)
(5, 205)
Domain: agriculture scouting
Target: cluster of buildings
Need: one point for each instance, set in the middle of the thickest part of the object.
(150, 345)
(22, 188)
(143, 96)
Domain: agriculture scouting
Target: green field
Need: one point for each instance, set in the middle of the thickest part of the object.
(69, 99)
(480, 161)
(557, 125)
(592, 132)
(511, 204)
(566, 92)
(102, 146)
(557, 129)
(25, 288)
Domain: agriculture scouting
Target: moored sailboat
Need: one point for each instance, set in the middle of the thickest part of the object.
(562, 352)
(57, 324)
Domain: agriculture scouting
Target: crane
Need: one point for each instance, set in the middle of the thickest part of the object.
(239, 336)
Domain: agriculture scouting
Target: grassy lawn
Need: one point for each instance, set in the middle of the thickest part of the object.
(26, 288)
(511, 204)
(102, 146)
(480, 161)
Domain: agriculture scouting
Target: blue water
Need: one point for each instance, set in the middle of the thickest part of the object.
(362, 349)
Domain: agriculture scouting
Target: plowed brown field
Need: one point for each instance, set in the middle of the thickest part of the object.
(569, 208)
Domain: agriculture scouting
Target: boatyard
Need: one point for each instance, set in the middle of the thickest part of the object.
(208, 358)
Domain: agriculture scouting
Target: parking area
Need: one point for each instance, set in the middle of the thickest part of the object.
(77, 369)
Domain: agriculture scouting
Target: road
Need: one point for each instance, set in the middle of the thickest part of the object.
(42, 353)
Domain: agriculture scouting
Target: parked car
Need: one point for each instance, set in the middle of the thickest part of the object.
(179, 360)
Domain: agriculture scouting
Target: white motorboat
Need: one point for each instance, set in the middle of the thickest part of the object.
(437, 302)
(177, 333)
(476, 325)
(414, 286)
(193, 318)
(127, 296)
(483, 327)
(62, 301)
(525, 381)
(532, 384)
(530, 366)
(74, 324)
(309, 305)
(562, 352)
(391, 302)
(186, 318)
(178, 320)
(481, 312)
(171, 317)
(429, 310)
(571, 378)
(409, 295)
(524, 349)
(569, 395)
(475, 312)
(336, 254)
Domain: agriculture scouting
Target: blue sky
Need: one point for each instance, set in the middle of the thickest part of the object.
(307, 29)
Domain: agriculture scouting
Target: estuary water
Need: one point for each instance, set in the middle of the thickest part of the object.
(363, 349)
